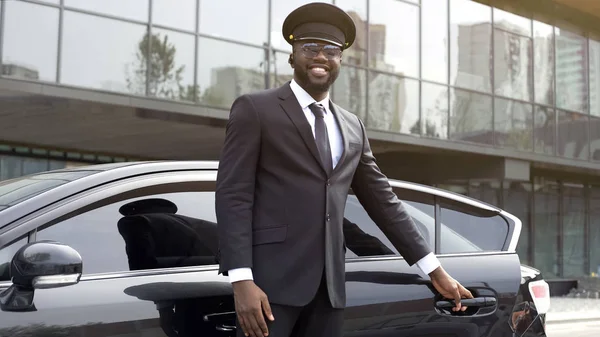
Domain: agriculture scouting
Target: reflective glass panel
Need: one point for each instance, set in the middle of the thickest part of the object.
(546, 205)
(594, 77)
(574, 219)
(10, 167)
(486, 191)
(34, 165)
(103, 54)
(571, 71)
(434, 110)
(130, 9)
(240, 20)
(281, 71)
(171, 67)
(595, 139)
(572, 135)
(349, 90)
(511, 22)
(393, 103)
(594, 237)
(393, 37)
(543, 51)
(471, 117)
(513, 64)
(470, 45)
(30, 41)
(156, 239)
(465, 229)
(280, 10)
(513, 124)
(357, 53)
(544, 128)
(434, 40)
(180, 14)
(223, 75)
(364, 238)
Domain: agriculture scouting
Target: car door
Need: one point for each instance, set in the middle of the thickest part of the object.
(148, 250)
(387, 297)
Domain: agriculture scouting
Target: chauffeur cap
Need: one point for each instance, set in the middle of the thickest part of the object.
(145, 206)
(320, 21)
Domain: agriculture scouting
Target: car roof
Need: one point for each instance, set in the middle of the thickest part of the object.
(100, 174)
(149, 167)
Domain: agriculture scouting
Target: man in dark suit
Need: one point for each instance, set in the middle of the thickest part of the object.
(289, 158)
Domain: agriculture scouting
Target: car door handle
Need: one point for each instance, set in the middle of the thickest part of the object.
(219, 316)
(225, 327)
(218, 319)
(469, 302)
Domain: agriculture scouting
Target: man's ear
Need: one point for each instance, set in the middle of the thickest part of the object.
(291, 60)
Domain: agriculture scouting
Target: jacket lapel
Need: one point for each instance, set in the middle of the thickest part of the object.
(292, 108)
(341, 122)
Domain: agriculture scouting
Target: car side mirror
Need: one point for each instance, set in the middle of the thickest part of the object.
(40, 265)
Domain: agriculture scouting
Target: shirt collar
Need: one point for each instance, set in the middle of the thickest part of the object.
(305, 99)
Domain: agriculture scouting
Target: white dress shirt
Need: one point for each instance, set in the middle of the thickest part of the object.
(427, 264)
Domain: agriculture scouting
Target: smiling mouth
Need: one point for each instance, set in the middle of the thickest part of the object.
(318, 71)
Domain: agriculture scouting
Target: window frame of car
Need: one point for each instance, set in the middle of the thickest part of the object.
(132, 187)
(441, 197)
(206, 179)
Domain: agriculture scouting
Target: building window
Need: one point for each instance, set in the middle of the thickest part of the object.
(547, 214)
(30, 41)
(573, 230)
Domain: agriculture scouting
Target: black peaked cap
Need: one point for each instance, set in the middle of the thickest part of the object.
(320, 21)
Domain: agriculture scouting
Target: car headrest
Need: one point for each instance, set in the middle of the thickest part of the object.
(154, 205)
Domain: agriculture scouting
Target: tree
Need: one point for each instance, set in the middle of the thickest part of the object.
(164, 76)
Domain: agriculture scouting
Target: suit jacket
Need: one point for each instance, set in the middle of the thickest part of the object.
(279, 213)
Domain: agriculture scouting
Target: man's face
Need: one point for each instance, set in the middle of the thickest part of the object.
(316, 65)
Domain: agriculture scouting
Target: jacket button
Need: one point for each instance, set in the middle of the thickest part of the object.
(328, 218)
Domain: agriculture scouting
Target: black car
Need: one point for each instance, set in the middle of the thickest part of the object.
(130, 249)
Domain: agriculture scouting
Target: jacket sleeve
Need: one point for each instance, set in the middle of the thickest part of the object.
(234, 197)
(375, 194)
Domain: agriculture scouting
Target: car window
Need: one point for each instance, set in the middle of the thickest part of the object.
(470, 229)
(364, 238)
(464, 228)
(149, 232)
(6, 255)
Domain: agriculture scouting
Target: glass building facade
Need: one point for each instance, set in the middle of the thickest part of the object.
(448, 71)
(455, 70)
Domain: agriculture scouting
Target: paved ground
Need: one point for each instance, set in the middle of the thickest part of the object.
(565, 309)
(579, 329)
(573, 317)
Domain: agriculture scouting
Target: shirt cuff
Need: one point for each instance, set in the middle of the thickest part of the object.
(428, 263)
(240, 274)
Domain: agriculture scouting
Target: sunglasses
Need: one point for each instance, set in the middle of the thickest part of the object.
(311, 50)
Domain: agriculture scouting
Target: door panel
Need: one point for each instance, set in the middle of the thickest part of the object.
(386, 297)
(149, 306)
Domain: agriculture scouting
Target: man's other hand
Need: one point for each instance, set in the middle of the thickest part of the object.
(449, 288)
(250, 302)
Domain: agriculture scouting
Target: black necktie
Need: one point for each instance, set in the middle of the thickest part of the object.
(321, 136)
